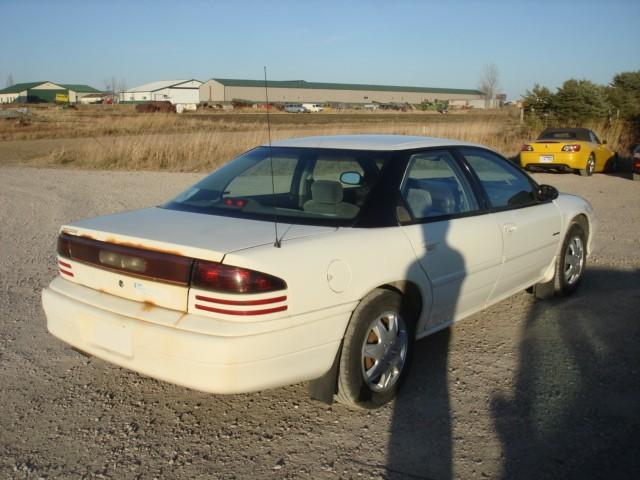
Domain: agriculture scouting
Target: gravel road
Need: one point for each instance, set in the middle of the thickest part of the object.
(526, 389)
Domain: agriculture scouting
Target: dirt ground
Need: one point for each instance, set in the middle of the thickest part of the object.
(526, 389)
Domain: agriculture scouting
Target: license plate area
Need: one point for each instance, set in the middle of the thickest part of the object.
(546, 158)
(112, 336)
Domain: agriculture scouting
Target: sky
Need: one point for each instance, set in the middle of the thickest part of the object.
(416, 43)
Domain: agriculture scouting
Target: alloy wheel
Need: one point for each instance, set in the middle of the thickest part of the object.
(574, 260)
(384, 351)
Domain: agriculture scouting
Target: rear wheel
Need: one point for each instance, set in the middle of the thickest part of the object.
(376, 351)
(569, 267)
(612, 164)
(589, 167)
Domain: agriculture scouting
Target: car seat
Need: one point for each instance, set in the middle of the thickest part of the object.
(326, 199)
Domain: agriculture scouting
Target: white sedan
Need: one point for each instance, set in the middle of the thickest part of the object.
(319, 258)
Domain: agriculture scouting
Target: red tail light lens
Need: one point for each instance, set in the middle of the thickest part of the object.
(235, 202)
(571, 148)
(228, 279)
(526, 148)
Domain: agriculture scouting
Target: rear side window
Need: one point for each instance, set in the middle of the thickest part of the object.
(504, 184)
(435, 187)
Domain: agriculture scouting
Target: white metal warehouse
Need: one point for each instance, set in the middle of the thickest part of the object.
(227, 90)
(43, 92)
(175, 91)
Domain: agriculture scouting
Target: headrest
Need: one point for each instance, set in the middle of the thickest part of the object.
(419, 202)
(326, 191)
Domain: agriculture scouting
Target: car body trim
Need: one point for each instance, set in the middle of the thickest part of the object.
(223, 301)
(265, 311)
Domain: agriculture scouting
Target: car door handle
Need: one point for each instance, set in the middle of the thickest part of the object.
(509, 227)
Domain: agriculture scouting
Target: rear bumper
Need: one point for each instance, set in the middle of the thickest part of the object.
(549, 166)
(561, 161)
(218, 357)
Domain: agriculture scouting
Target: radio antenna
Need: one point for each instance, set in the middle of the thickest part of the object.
(277, 243)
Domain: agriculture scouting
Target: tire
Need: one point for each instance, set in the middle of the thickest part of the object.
(381, 332)
(612, 164)
(569, 267)
(589, 167)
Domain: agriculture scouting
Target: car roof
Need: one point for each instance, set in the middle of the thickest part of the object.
(370, 142)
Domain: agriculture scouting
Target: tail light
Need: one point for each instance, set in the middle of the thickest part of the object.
(160, 266)
(167, 267)
(229, 279)
(64, 245)
(571, 148)
(526, 148)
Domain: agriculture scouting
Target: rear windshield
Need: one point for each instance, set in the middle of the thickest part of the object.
(564, 135)
(298, 185)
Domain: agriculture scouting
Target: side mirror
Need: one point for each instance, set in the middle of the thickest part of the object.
(351, 178)
(547, 192)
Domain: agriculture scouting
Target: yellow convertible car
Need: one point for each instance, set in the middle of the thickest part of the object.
(568, 149)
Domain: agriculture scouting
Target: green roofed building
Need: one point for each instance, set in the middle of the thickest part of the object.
(44, 92)
(76, 91)
(229, 89)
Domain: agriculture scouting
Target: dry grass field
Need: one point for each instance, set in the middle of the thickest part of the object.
(116, 137)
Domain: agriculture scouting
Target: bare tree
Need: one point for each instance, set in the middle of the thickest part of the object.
(115, 86)
(489, 83)
(10, 82)
(110, 85)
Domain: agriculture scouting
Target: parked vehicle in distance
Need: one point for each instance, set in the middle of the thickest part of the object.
(294, 108)
(635, 162)
(312, 107)
(568, 149)
(379, 240)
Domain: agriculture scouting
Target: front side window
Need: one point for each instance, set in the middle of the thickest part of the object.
(434, 186)
(298, 185)
(505, 185)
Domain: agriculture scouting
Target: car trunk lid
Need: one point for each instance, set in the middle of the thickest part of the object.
(146, 255)
(549, 146)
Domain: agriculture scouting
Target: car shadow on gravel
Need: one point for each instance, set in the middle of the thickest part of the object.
(573, 412)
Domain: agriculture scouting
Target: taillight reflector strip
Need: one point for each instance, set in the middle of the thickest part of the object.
(264, 301)
(66, 272)
(64, 264)
(241, 312)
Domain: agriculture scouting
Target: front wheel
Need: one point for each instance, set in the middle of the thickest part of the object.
(590, 167)
(376, 351)
(569, 267)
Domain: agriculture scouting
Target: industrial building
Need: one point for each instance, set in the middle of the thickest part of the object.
(45, 92)
(184, 92)
(220, 90)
